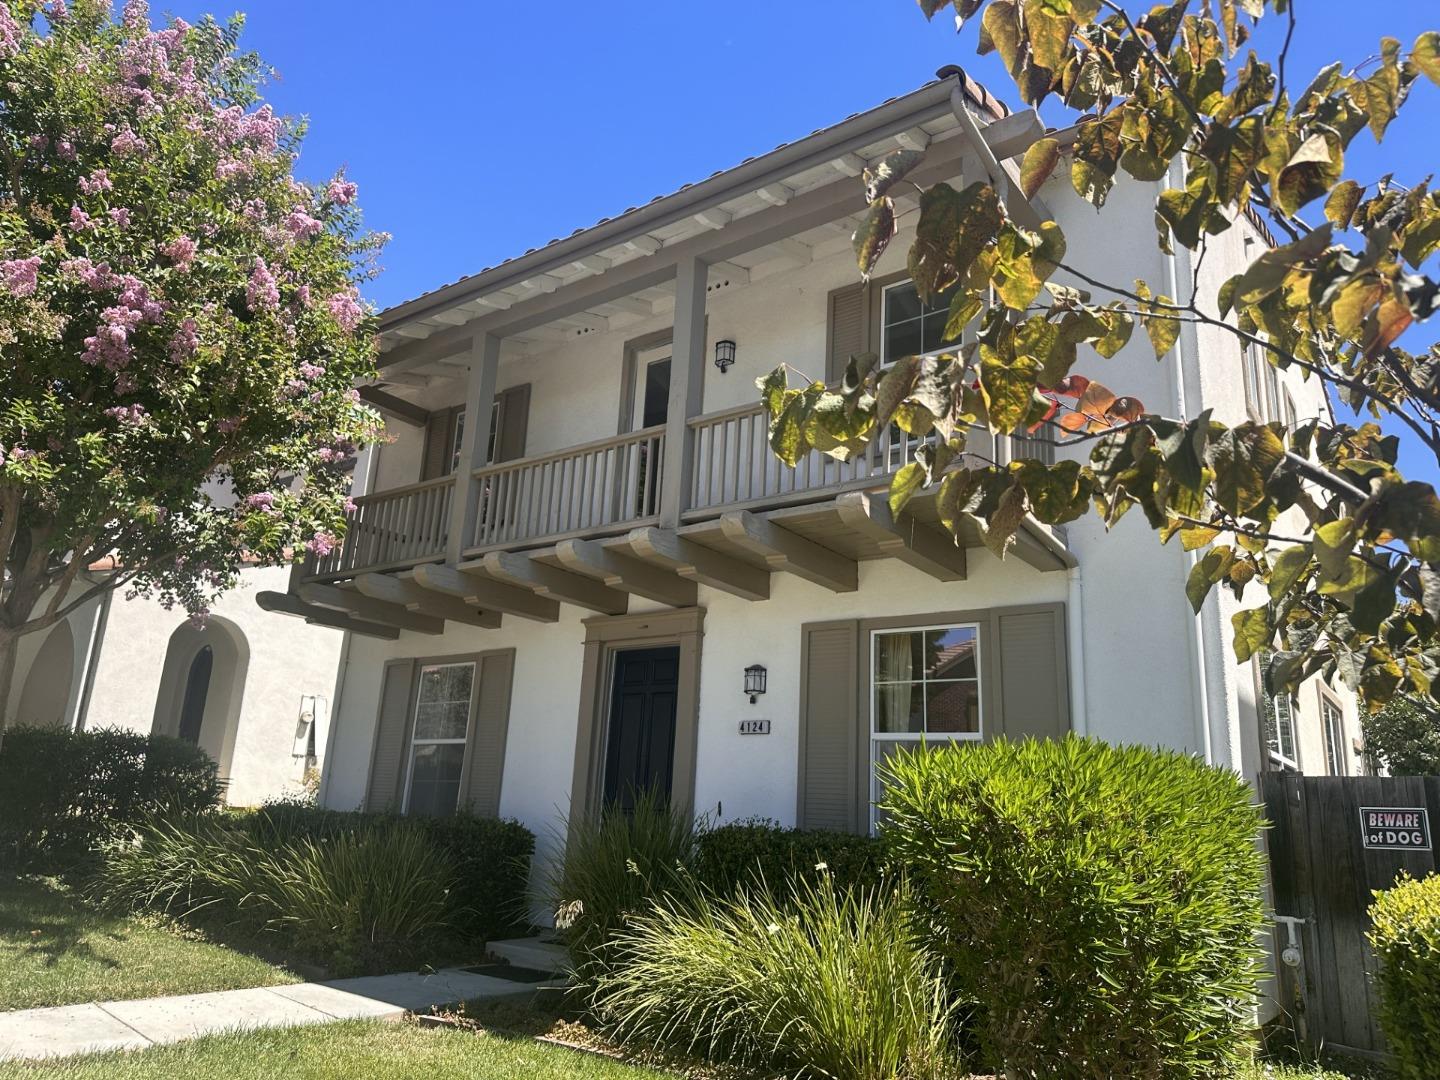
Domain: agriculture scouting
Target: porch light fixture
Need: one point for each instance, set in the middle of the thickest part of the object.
(755, 681)
(724, 357)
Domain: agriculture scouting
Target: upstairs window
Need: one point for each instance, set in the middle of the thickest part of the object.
(1277, 718)
(910, 326)
(1332, 723)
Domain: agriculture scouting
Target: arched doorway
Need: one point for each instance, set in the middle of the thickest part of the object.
(202, 687)
(46, 695)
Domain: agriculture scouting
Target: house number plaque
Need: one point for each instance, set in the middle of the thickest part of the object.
(754, 727)
(1395, 828)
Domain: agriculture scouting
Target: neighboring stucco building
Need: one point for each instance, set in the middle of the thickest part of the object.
(251, 688)
(577, 543)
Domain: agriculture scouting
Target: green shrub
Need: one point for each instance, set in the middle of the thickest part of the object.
(615, 863)
(1099, 905)
(63, 793)
(1405, 934)
(821, 981)
(368, 893)
(740, 854)
(488, 858)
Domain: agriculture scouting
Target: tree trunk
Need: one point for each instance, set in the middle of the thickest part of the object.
(9, 650)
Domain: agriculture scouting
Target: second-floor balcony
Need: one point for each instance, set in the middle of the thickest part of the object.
(610, 486)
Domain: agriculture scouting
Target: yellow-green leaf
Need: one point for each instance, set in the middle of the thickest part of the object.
(1426, 55)
(1252, 632)
(1340, 206)
(1008, 386)
(1286, 568)
(1037, 165)
(873, 235)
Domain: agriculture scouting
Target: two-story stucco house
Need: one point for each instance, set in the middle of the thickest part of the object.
(577, 568)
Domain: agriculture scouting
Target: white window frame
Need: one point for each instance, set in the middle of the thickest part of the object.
(1332, 727)
(460, 436)
(918, 737)
(415, 724)
(1275, 755)
(885, 359)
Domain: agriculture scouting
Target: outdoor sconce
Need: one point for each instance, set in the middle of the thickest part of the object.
(724, 357)
(755, 681)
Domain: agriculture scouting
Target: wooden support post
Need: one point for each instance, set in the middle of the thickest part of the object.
(479, 393)
(687, 389)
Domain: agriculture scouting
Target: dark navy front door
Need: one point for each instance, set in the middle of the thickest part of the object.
(640, 752)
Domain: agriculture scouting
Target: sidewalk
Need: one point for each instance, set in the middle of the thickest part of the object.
(133, 1025)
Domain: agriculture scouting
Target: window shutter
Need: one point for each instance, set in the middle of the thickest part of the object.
(514, 418)
(387, 759)
(438, 445)
(1034, 673)
(847, 335)
(486, 750)
(830, 792)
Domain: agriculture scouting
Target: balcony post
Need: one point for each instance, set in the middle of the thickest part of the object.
(474, 442)
(687, 389)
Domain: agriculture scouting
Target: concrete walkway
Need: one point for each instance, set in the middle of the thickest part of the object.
(133, 1025)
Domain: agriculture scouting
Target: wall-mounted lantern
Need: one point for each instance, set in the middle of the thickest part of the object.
(755, 681)
(724, 354)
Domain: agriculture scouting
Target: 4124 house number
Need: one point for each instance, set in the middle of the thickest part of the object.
(754, 727)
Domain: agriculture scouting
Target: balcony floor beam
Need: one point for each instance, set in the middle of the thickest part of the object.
(485, 592)
(415, 597)
(788, 551)
(370, 609)
(620, 571)
(696, 562)
(902, 538)
(557, 584)
(290, 604)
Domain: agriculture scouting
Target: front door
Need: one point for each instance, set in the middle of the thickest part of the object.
(640, 750)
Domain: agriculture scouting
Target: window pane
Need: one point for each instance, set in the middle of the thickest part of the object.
(444, 720)
(899, 707)
(657, 394)
(882, 751)
(952, 708)
(901, 302)
(934, 335)
(435, 779)
(443, 708)
(902, 339)
(897, 656)
(950, 654)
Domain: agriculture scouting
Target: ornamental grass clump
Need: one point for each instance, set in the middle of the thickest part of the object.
(615, 863)
(1405, 934)
(1099, 903)
(812, 981)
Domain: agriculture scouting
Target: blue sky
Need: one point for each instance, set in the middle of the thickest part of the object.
(480, 128)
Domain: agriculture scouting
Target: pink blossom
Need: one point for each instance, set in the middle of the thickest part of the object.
(262, 294)
(65, 150)
(127, 142)
(180, 251)
(350, 506)
(346, 310)
(137, 14)
(127, 414)
(322, 543)
(57, 11)
(184, 342)
(96, 275)
(340, 191)
(301, 225)
(80, 220)
(9, 32)
(19, 275)
(230, 169)
(120, 215)
(311, 371)
(260, 501)
(96, 182)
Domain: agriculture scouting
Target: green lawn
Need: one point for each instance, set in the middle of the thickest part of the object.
(342, 1051)
(56, 951)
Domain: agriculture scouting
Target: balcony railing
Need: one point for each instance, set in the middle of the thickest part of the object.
(394, 529)
(603, 486)
(611, 485)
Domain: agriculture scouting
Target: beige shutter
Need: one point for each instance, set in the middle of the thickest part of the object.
(387, 758)
(847, 335)
(1034, 673)
(485, 755)
(830, 782)
(514, 419)
(439, 445)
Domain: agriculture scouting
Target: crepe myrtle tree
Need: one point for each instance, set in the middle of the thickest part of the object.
(1335, 554)
(178, 315)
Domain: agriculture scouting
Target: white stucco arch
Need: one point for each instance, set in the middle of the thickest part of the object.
(45, 699)
(222, 694)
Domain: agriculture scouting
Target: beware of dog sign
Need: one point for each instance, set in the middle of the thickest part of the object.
(1395, 828)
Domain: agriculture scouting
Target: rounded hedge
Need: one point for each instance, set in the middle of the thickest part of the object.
(1405, 934)
(1098, 905)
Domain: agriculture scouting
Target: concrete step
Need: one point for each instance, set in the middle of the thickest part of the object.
(539, 953)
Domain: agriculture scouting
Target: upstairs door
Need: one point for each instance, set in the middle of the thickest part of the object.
(640, 747)
(637, 474)
(652, 388)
